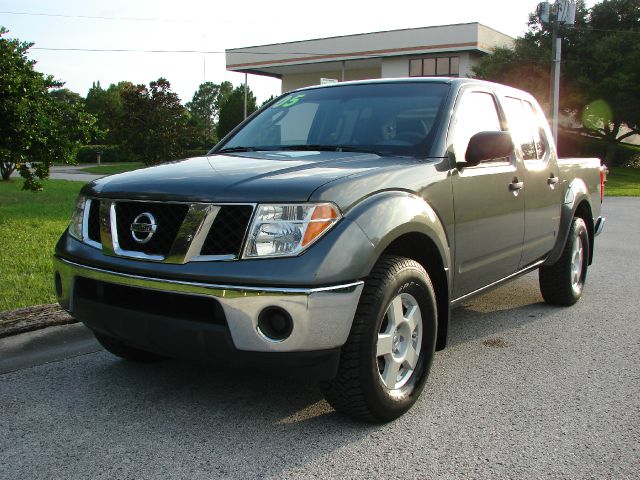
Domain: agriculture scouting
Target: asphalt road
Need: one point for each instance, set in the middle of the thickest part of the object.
(524, 390)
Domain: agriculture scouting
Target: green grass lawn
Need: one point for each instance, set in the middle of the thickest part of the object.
(30, 225)
(110, 169)
(623, 182)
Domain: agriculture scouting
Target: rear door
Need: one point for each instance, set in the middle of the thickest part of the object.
(542, 192)
(489, 207)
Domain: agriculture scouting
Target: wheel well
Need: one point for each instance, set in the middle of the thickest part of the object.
(584, 212)
(423, 250)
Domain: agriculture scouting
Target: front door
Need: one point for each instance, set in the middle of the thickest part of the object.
(488, 204)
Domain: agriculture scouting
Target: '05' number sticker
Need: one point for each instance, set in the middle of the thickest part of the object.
(288, 101)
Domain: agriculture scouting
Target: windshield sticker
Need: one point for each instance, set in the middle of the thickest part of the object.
(289, 101)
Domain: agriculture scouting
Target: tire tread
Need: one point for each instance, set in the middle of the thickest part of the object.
(345, 392)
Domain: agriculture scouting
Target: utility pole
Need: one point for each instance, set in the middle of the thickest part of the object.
(562, 13)
(245, 95)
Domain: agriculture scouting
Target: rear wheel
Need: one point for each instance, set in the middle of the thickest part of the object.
(386, 359)
(562, 283)
(125, 351)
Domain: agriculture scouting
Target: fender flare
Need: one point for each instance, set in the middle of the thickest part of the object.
(576, 193)
(386, 216)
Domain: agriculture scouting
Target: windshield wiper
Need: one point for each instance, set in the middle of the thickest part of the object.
(237, 149)
(328, 148)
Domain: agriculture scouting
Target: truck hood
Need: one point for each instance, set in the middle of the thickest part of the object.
(243, 177)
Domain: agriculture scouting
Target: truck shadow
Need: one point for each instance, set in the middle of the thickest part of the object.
(509, 307)
(240, 423)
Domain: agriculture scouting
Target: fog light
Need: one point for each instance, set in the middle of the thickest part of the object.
(275, 324)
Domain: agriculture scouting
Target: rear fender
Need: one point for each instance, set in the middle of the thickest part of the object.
(576, 193)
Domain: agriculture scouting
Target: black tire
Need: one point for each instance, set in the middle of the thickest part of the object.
(125, 351)
(561, 283)
(359, 390)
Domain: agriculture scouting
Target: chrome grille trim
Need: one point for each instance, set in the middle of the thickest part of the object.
(187, 244)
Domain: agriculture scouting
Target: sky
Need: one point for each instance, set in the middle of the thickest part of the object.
(213, 26)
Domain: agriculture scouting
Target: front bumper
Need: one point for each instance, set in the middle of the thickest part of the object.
(322, 317)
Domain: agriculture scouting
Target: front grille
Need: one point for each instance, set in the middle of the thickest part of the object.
(223, 239)
(227, 231)
(169, 217)
(93, 227)
(186, 307)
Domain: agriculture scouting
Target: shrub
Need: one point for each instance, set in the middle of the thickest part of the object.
(575, 145)
(110, 154)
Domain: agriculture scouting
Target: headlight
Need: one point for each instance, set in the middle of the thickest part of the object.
(288, 230)
(75, 227)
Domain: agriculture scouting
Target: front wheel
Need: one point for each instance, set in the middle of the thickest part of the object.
(562, 282)
(386, 360)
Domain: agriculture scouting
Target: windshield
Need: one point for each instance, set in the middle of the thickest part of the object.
(384, 118)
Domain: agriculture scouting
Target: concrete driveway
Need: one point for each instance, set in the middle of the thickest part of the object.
(524, 390)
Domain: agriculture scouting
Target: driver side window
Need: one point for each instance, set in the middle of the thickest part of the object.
(477, 112)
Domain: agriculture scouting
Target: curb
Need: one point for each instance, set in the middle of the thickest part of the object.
(47, 345)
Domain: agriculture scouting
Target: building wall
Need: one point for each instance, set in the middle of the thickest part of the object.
(395, 67)
(299, 80)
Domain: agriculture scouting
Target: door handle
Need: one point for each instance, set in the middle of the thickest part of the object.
(515, 185)
(552, 180)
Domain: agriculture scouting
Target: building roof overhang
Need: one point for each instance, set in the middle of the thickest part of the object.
(366, 49)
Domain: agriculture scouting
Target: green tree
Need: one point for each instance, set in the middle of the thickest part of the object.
(608, 74)
(224, 90)
(203, 112)
(38, 125)
(155, 124)
(106, 106)
(600, 74)
(232, 110)
(267, 101)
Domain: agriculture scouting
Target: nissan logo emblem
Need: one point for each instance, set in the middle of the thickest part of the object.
(143, 227)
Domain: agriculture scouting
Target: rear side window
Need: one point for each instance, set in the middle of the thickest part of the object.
(525, 128)
(476, 113)
(539, 135)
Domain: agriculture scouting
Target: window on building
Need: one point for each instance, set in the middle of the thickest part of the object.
(434, 67)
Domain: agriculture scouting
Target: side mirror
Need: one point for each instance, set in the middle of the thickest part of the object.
(488, 146)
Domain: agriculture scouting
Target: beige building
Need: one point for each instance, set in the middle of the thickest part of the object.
(448, 50)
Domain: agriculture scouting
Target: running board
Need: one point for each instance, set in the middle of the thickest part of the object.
(456, 302)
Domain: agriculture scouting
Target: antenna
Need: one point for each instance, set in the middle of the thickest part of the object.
(544, 12)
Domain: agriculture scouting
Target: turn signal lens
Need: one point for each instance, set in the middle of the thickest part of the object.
(322, 218)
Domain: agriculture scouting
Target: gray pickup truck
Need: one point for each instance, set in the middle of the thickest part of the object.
(333, 231)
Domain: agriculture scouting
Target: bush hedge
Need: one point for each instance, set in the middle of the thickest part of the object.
(196, 152)
(110, 154)
(116, 154)
(575, 145)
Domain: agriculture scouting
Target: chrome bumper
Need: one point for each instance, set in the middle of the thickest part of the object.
(322, 317)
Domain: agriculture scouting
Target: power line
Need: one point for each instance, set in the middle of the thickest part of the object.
(136, 50)
(95, 17)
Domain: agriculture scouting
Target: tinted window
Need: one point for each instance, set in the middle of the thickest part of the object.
(524, 124)
(519, 120)
(476, 113)
(391, 118)
(539, 135)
